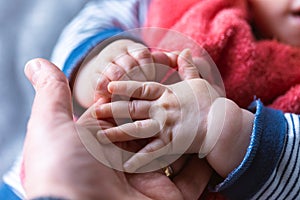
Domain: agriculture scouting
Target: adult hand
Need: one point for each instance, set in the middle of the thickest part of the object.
(56, 163)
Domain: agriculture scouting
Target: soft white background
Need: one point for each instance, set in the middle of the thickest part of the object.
(28, 29)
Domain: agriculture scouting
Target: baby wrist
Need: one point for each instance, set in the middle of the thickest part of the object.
(215, 121)
(228, 136)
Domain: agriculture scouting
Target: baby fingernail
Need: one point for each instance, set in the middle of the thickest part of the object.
(102, 138)
(94, 113)
(111, 87)
(188, 53)
(128, 167)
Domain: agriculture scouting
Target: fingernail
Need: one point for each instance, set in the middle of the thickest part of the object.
(102, 138)
(33, 68)
(188, 53)
(94, 112)
(111, 86)
(128, 167)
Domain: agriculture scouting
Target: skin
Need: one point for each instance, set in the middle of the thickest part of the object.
(171, 112)
(57, 164)
(165, 101)
(120, 60)
(279, 20)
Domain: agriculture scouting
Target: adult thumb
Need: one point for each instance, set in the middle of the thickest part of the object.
(53, 96)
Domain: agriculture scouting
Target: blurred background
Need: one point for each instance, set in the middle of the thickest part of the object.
(28, 29)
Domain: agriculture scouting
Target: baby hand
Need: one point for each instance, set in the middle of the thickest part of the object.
(121, 60)
(174, 116)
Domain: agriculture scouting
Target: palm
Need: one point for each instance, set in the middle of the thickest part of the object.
(155, 186)
(189, 183)
(53, 147)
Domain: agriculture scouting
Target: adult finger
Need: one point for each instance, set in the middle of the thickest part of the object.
(53, 96)
(130, 131)
(111, 72)
(140, 90)
(193, 178)
(136, 109)
(150, 152)
(186, 67)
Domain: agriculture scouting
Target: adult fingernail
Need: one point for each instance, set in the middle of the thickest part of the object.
(33, 69)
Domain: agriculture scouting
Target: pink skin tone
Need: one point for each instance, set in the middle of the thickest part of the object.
(72, 172)
(278, 19)
(124, 55)
(274, 20)
(223, 133)
(120, 60)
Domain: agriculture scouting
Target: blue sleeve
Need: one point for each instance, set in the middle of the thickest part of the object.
(80, 52)
(96, 22)
(7, 193)
(262, 156)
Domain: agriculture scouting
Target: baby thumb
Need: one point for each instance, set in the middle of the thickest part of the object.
(53, 96)
(186, 67)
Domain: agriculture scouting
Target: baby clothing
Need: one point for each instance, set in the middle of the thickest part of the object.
(265, 69)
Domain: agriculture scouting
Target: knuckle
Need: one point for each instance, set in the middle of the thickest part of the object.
(141, 53)
(48, 75)
(132, 107)
(115, 73)
(101, 85)
(51, 80)
(145, 89)
(150, 148)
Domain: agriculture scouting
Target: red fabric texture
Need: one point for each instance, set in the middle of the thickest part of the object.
(250, 68)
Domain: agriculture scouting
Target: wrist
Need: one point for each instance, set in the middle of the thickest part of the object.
(232, 128)
(86, 86)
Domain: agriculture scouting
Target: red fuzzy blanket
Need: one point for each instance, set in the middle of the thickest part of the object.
(265, 69)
